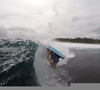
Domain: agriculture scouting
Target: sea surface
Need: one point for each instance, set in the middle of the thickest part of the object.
(85, 66)
(24, 63)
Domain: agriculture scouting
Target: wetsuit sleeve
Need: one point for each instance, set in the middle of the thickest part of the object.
(49, 52)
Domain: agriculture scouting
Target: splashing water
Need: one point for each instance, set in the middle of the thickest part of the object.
(48, 76)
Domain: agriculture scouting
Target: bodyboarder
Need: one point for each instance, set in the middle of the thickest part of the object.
(54, 58)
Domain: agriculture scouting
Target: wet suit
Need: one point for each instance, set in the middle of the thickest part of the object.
(54, 57)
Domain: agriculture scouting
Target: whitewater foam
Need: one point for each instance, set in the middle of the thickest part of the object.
(46, 75)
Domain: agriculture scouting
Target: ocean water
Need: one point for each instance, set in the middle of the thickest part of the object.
(84, 68)
(25, 63)
(16, 62)
(81, 64)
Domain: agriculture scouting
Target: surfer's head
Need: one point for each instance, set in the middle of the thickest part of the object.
(49, 50)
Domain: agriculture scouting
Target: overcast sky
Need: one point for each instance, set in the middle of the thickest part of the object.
(50, 18)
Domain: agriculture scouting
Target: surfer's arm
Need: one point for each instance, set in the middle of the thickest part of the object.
(48, 53)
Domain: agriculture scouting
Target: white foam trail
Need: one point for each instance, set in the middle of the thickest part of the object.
(82, 46)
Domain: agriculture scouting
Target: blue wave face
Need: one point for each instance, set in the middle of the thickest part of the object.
(16, 62)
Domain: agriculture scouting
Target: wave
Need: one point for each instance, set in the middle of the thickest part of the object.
(24, 63)
(16, 62)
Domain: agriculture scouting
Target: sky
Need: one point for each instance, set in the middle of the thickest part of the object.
(50, 18)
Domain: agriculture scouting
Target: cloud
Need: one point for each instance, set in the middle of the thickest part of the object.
(55, 9)
(75, 18)
(49, 18)
(16, 32)
(92, 24)
(3, 32)
(96, 30)
(21, 32)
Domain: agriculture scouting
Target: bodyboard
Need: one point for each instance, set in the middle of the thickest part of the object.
(57, 52)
